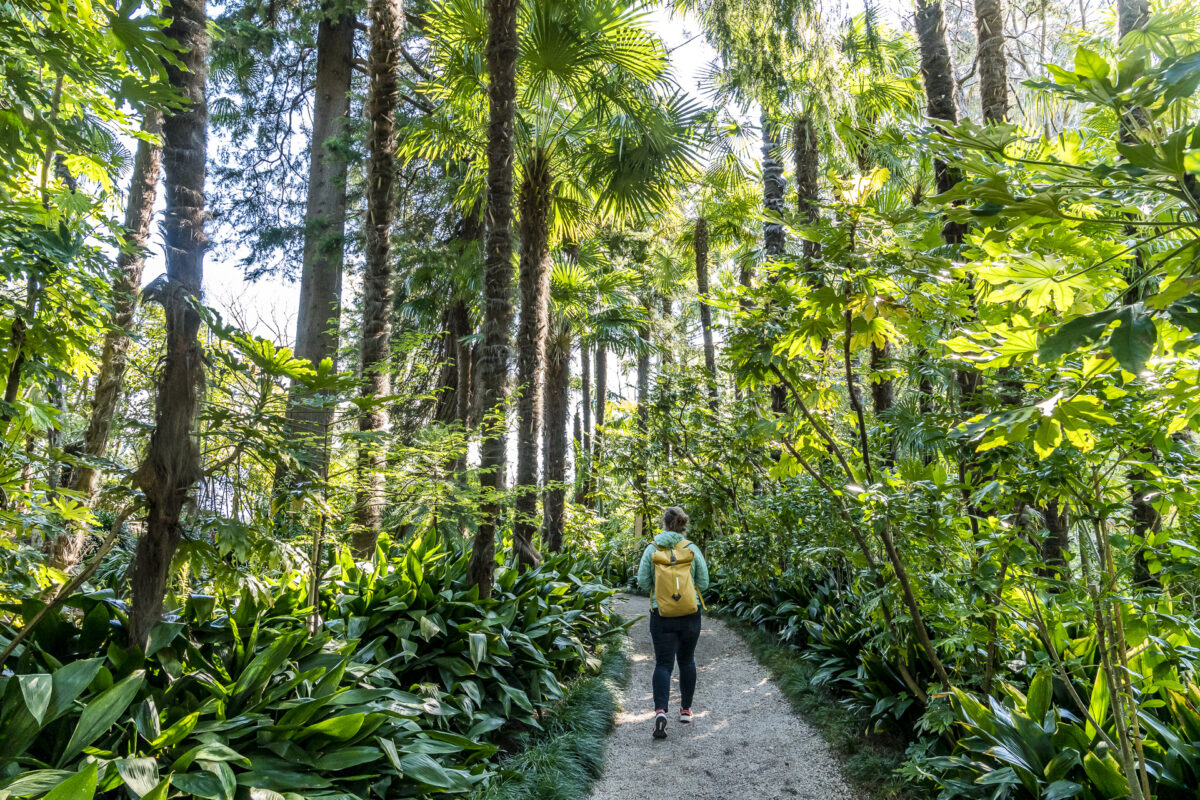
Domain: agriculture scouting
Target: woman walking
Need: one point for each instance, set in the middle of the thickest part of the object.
(674, 572)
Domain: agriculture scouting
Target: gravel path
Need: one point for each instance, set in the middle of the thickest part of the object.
(746, 743)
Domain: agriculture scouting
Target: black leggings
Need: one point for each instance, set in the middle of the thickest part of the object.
(674, 639)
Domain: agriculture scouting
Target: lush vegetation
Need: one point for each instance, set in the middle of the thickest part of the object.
(915, 348)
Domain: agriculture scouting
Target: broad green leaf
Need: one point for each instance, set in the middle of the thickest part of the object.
(1037, 701)
(101, 712)
(1132, 342)
(177, 732)
(1061, 790)
(36, 689)
(1091, 65)
(80, 786)
(1106, 776)
(478, 648)
(139, 774)
(1075, 333)
(341, 728)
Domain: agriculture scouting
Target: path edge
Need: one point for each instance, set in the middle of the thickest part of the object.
(868, 763)
(563, 761)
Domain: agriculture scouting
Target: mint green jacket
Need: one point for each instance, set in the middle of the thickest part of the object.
(645, 577)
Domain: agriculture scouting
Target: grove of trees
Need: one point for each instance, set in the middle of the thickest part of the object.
(902, 307)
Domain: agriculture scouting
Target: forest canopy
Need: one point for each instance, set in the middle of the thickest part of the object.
(901, 304)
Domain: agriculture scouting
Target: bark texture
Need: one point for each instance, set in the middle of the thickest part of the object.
(387, 21)
(319, 314)
(774, 187)
(993, 63)
(937, 73)
(534, 285)
(172, 464)
(1132, 15)
(554, 439)
(808, 165)
(139, 214)
(502, 48)
(700, 246)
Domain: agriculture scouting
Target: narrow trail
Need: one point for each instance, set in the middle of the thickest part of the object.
(746, 742)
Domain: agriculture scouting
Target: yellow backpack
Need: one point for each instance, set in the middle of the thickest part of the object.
(674, 590)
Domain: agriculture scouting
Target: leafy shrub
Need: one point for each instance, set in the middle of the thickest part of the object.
(407, 687)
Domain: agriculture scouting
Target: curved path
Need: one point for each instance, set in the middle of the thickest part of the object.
(746, 741)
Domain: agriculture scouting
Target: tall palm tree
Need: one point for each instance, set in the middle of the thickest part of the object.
(139, 213)
(172, 464)
(387, 21)
(993, 63)
(492, 380)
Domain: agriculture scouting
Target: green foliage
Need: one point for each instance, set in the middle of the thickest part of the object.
(408, 686)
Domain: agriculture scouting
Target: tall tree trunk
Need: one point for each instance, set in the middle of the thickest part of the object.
(1132, 15)
(172, 464)
(139, 213)
(1057, 543)
(643, 409)
(320, 310)
(387, 22)
(455, 322)
(993, 63)
(492, 378)
(585, 378)
(700, 244)
(554, 439)
(774, 188)
(601, 378)
(805, 145)
(534, 280)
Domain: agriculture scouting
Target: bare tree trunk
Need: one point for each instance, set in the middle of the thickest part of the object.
(554, 453)
(597, 435)
(320, 310)
(993, 63)
(1057, 543)
(502, 48)
(387, 22)
(700, 245)
(139, 213)
(774, 187)
(172, 464)
(534, 279)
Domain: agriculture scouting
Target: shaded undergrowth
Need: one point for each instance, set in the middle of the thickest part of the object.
(562, 761)
(870, 761)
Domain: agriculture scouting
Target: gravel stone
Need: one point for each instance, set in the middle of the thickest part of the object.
(745, 743)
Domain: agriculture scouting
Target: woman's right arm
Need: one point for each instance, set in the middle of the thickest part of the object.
(645, 576)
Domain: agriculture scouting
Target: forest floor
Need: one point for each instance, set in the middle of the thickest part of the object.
(745, 742)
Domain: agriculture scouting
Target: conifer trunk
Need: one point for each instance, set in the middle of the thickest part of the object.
(139, 214)
(387, 22)
(319, 314)
(534, 283)
(172, 464)
(492, 378)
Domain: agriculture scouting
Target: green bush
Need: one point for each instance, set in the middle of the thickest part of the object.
(407, 686)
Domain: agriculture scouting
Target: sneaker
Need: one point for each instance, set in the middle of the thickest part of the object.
(685, 715)
(660, 724)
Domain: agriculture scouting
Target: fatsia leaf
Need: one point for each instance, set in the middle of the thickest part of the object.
(1074, 333)
(1132, 342)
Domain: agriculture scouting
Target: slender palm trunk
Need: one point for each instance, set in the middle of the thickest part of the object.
(387, 21)
(139, 213)
(172, 464)
(554, 439)
(601, 378)
(643, 405)
(774, 187)
(492, 378)
(585, 379)
(320, 310)
(1132, 15)
(700, 246)
(534, 284)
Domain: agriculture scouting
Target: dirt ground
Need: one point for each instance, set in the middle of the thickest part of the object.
(746, 743)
